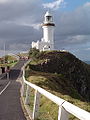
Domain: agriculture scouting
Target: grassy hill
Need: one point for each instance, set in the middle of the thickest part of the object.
(62, 74)
(8, 60)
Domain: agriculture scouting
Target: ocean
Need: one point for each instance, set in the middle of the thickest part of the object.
(88, 62)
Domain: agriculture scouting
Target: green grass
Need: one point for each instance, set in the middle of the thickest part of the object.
(49, 110)
(58, 85)
(31, 99)
(8, 60)
(8, 64)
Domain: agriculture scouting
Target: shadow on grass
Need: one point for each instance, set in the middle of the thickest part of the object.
(56, 83)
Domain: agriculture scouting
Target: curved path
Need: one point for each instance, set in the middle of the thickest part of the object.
(10, 106)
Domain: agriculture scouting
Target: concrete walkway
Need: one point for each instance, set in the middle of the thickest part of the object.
(10, 106)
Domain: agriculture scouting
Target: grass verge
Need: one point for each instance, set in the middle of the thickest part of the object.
(57, 85)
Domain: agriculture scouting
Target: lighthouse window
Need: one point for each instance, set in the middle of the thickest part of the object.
(48, 18)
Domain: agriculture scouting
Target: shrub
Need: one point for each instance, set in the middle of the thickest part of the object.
(34, 53)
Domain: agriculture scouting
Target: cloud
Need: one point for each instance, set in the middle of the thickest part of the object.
(53, 5)
(73, 27)
(87, 4)
(87, 49)
(20, 10)
(20, 24)
(78, 39)
(36, 26)
(19, 46)
(3, 1)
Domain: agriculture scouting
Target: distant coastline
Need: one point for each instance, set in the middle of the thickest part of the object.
(88, 62)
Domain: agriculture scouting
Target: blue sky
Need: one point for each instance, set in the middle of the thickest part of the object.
(73, 4)
(73, 10)
(70, 4)
(20, 24)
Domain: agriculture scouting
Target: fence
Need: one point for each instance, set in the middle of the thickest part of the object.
(65, 108)
(4, 75)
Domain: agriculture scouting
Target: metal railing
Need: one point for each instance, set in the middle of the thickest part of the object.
(64, 108)
(6, 74)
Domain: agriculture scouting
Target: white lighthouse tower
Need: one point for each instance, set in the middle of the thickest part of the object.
(48, 31)
(47, 42)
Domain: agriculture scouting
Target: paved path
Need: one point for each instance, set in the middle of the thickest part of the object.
(10, 107)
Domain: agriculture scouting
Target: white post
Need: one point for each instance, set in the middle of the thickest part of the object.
(36, 105)
(62, 114)
(7, 75)
(23, 89)
(27, 99)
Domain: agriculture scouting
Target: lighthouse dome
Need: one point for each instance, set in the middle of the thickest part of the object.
(48, 14)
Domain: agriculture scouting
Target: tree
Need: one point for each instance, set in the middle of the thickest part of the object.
(34, 53)
(6, 58)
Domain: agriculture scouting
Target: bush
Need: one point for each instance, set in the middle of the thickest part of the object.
(34, 53)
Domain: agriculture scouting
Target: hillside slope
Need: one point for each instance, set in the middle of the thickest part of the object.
(63, 75)
(71, 68)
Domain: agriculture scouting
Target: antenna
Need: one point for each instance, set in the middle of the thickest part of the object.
(4, 51)
(49, 10)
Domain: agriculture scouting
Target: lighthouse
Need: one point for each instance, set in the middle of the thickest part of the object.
(47, 42)
(48, 31)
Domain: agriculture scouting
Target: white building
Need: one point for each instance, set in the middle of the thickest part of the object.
(47, 42)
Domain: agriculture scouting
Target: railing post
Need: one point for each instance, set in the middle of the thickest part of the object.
(62, 114)
(27, 99)
(23, 89)
(7, 75)
(36, 105)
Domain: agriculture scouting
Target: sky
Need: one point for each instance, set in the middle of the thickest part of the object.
(20, 24)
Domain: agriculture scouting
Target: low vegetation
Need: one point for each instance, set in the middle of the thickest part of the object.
(23, 54)
(43, 73)
(8, 61)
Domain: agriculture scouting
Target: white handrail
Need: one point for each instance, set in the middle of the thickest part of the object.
(47, 94)
(76, 111)
(67, 107)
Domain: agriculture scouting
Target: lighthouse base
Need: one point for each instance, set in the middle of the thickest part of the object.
(42, 46)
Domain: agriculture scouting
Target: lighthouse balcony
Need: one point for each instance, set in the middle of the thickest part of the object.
(48, 24)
